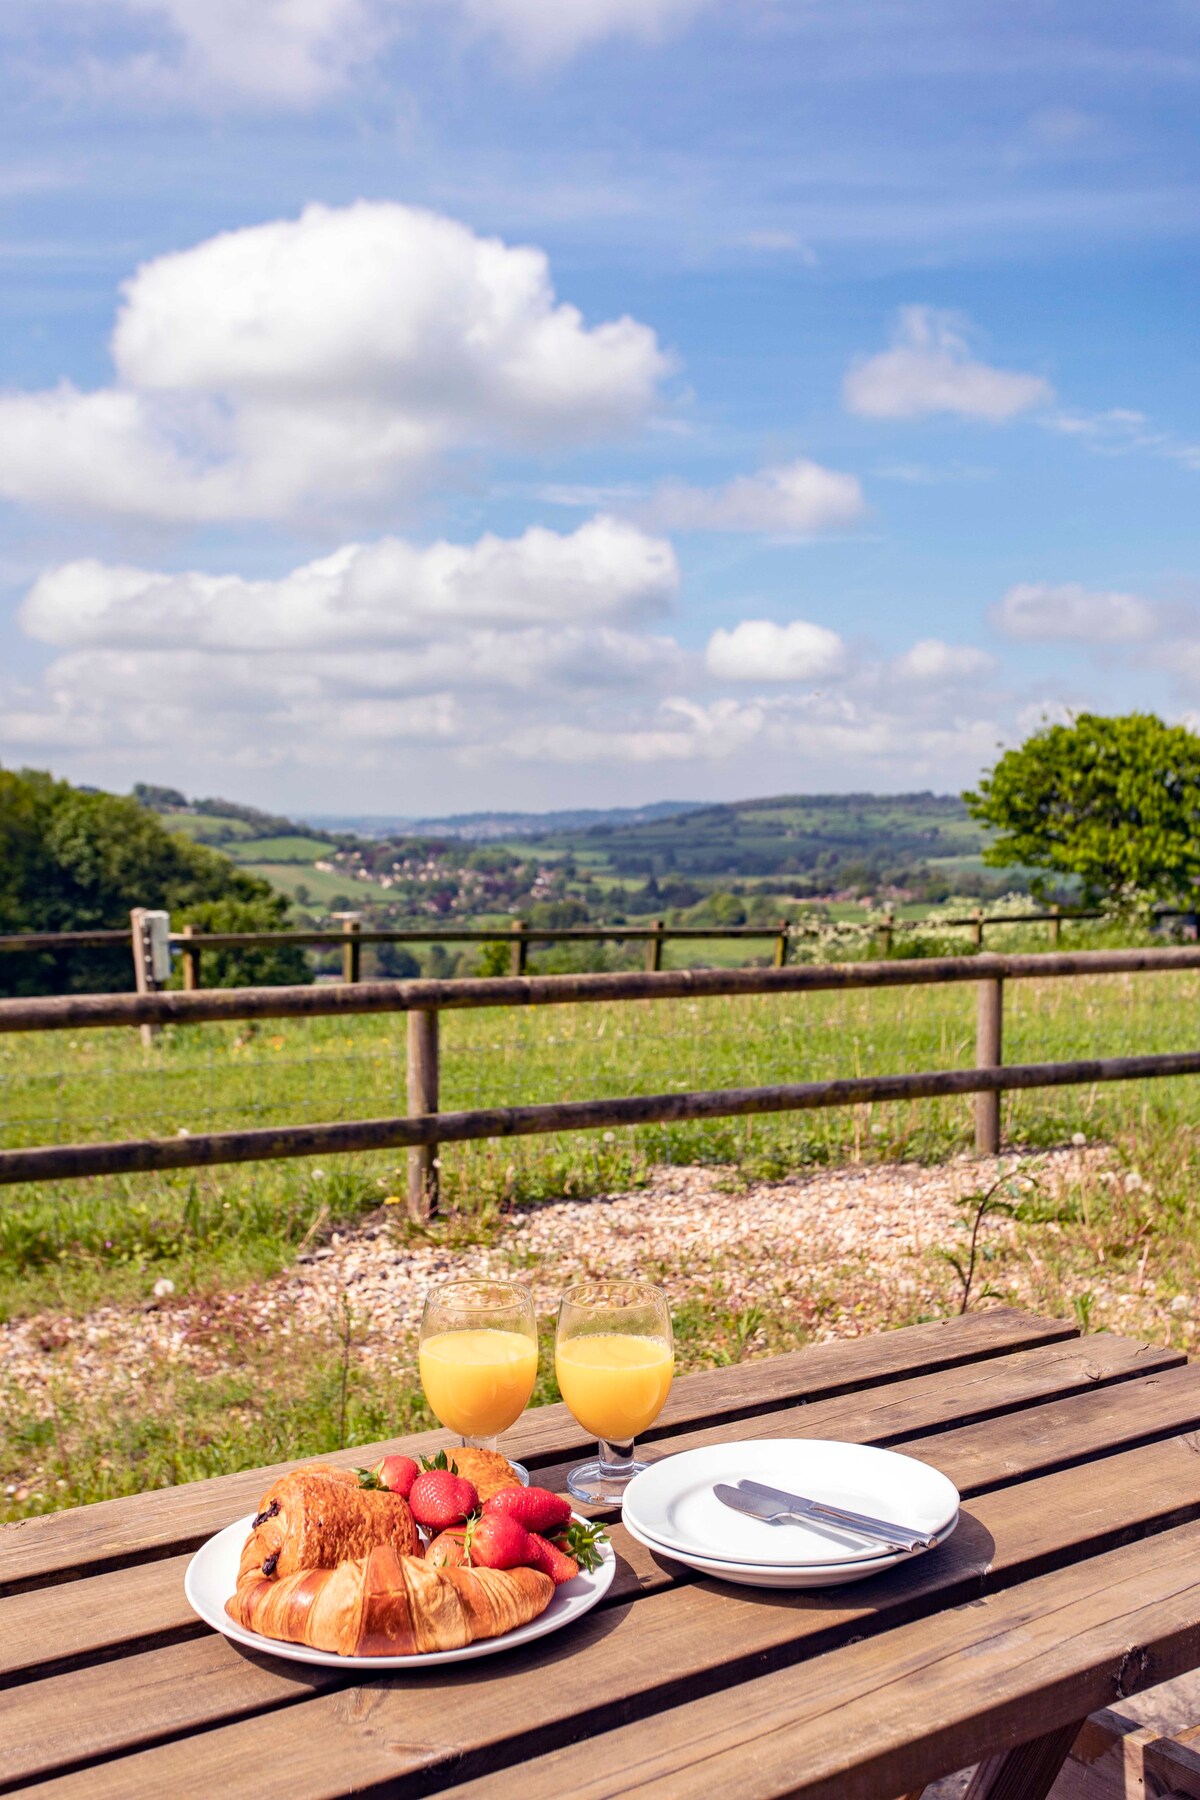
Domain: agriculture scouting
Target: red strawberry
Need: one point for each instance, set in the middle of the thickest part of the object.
(397, 1473)
(495, 1541)
(439, 1499)
(448, 1550)
(552, 1561)
(537, 1509)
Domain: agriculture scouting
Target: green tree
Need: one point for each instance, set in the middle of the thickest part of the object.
(1114, 802)
(73, 859)
(272, 965)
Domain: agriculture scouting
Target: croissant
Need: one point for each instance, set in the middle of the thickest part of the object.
(383, 1604)
(318, 1516)
(486, 1470)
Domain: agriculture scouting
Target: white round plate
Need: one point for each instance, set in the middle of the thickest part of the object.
(673, 1503)
(786, 1575)
(212, 1577)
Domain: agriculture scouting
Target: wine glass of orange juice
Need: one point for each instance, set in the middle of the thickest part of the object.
(478, 1356)
(614, 1359)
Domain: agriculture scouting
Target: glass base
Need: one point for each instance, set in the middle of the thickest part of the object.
(601, 1483)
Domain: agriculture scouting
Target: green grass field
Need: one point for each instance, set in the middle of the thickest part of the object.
(321, 887)
(279, 850)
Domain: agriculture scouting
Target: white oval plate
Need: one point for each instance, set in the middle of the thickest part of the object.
(672, 1502)
(787, 1575)
(212, 1577)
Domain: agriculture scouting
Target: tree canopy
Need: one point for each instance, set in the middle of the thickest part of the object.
(75, 859)
(1114, 802)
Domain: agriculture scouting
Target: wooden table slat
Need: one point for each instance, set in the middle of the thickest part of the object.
(659, 1649)
(116, 1533)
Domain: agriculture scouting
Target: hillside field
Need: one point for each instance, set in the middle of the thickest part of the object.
(784, 851)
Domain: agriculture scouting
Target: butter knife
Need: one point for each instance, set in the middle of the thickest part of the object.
(774, 1506)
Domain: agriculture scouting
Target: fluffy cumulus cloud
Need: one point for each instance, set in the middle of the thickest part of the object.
(368, 596)
(380, 643)
(1068, 612)
(797, 497)
(759, 650)
(297, 53)
(331, 361)
(930, 369)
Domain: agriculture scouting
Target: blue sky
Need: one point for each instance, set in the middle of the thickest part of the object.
(438, 404)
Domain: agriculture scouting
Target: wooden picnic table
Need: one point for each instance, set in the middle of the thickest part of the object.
(1072, 1580)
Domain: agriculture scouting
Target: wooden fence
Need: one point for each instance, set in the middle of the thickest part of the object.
(424, 1127)
(189, 944)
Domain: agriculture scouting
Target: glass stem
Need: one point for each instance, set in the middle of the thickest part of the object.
(616, 1459)
(480, 1443)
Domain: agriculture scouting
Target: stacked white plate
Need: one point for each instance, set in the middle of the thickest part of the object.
(672, 1509)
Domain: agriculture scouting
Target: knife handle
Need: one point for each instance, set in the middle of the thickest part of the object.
(896, 1535)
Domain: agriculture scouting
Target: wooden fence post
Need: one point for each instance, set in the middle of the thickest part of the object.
(654, 947)
(351, 950)
(423, 1183)
(1055, 924)
(519, 955)
(885, 934)
(781, 945)
(151, 947)
(977, 928)
(191, 962)
(989, 1054)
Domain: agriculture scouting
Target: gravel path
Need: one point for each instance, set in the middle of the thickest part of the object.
(836, 1252)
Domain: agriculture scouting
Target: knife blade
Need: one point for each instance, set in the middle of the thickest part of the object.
(775, 1512)
(904, 1536)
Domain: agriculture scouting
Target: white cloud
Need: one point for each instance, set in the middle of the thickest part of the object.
(798, 496)
(759, 650)
(296, 53)
(1068, 612)
(370, 595)
(929, 369)
(448, 645)
(284, 53)
(931, 662)
(1122, 431)
(324, 362)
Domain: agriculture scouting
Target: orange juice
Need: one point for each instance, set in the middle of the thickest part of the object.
(478, 1382)
(614, 1384)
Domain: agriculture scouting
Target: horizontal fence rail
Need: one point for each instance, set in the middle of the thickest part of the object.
(139, 1155)
(60, 1012)
(61, 940)
(424, 1127)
